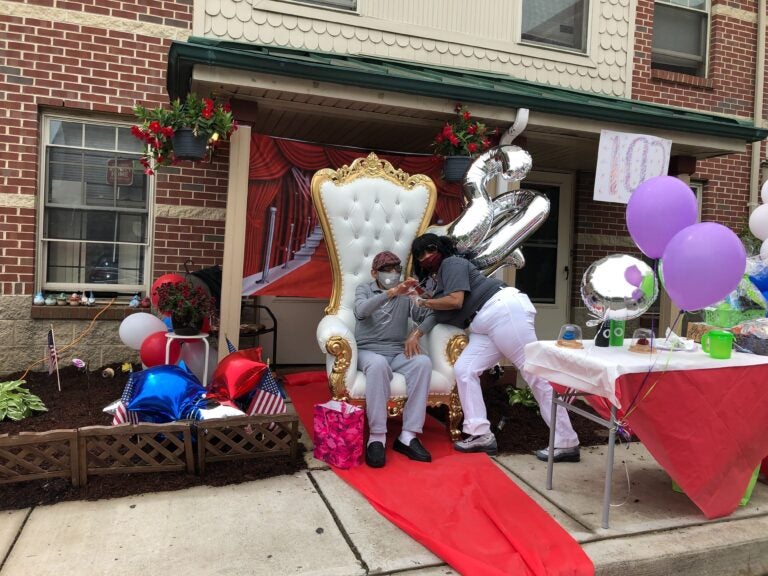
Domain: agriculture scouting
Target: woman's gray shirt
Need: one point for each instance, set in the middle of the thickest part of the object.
(456, 274)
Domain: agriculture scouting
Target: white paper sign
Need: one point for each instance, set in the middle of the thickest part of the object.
(625, 160)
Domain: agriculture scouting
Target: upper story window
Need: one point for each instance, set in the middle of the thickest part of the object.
(561, 23)
(340, 4)
(680, 32)
(95, 208)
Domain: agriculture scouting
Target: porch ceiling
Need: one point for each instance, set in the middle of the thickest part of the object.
(318, 104)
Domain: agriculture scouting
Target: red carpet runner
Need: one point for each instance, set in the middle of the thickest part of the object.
(460, 506)
(311, 280)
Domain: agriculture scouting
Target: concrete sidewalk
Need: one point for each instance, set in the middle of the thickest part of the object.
(314, 523)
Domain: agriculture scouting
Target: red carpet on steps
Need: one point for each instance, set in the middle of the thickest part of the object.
(311, 280)
(460, 506)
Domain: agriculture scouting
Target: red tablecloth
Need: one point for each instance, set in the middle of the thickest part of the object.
(707, 428)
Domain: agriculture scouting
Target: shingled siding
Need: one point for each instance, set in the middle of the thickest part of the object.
(95, 59)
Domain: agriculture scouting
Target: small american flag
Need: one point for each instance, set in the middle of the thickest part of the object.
(53, 357)
(267, 399)
(122, 414)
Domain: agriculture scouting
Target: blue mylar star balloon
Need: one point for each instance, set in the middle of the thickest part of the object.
(165, 393)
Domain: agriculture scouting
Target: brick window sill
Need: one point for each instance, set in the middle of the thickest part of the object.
(686, 79)
(114, 312)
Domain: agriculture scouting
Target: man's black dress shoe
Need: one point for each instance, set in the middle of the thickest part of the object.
(374, 455)
(414, 450)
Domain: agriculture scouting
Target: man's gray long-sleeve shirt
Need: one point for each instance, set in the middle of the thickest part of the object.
(382, 322)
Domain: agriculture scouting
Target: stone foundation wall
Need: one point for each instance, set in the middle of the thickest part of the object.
(23, 339)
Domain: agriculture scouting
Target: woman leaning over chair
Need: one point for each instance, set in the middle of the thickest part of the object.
(500, 322)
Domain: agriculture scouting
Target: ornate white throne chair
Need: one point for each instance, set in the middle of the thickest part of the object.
(363, 209)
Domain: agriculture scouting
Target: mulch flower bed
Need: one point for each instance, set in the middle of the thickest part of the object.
(85, 393)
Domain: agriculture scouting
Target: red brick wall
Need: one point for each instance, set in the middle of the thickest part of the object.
(728, 89)
(60, 66)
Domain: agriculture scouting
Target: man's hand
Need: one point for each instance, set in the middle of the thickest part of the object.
(403, 288)
(412, 347)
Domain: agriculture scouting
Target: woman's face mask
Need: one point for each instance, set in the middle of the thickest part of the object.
(388, 279)
(431, 262)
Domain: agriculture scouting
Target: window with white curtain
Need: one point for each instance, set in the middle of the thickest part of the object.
(680, 36)
(94, 208)
(559, 23)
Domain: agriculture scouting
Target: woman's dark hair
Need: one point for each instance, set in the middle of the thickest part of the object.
(444, 244)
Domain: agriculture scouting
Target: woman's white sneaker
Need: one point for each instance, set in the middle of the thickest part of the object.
(484, 443)
(560, 454)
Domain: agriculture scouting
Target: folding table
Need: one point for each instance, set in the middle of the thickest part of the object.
(702, 419)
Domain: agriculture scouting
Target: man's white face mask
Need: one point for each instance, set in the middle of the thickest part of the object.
(388, 279)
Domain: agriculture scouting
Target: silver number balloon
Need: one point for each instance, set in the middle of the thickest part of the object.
(619, 287)
(490, 231)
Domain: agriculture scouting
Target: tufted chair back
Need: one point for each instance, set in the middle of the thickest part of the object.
(364, 209)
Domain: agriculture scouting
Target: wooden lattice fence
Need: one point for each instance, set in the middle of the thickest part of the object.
(80, 453)
(135, 448)
(35, 455)
(247, 437)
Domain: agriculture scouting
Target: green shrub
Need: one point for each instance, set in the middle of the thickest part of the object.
(16, 402)
(522, 396)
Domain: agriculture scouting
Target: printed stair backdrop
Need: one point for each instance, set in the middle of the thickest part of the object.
(310, 280)
(460, 506)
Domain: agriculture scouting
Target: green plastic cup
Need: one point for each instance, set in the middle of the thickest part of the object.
(617, 333)
(718, 344)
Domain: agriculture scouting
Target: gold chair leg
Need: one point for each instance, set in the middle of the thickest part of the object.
(455, 416)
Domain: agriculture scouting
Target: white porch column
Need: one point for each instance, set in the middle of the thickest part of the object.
(234, 238)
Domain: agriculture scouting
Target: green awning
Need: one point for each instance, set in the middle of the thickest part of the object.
(440, 82)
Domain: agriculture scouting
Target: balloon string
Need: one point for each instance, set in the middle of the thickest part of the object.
(633, 405)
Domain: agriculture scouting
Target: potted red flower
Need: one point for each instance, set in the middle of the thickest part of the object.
(186, 304)
(460, 141)
(188, 130)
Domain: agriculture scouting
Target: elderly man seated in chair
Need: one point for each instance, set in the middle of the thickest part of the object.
(382, 309)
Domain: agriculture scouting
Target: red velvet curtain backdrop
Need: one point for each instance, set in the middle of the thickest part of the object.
(280, 173)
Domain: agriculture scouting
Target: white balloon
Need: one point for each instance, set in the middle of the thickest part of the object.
(758, 222)
(764, 192)
(193, 354)
(764, 252)
(136, 327)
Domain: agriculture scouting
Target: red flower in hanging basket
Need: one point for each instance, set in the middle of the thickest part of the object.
(464, 136)
(204, 116)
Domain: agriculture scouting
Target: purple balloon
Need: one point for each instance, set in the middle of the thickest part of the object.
(703, 263)
(633, 275)
(658, 209)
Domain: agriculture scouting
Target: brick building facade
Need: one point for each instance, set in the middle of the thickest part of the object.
(96, 60)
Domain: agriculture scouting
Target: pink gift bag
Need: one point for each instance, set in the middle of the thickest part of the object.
(338, 429)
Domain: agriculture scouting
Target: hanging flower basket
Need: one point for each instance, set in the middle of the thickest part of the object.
(460, 141)
(455, 167)
(163, 129)
(187, 146)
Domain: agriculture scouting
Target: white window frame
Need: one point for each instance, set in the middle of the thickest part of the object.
(698, 189)
(341, 5)
(587, 32)
(41, 281)
(705, 56)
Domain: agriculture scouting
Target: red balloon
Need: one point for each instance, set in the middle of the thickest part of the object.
(237, 374)
(153, 350)
(164, 279)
